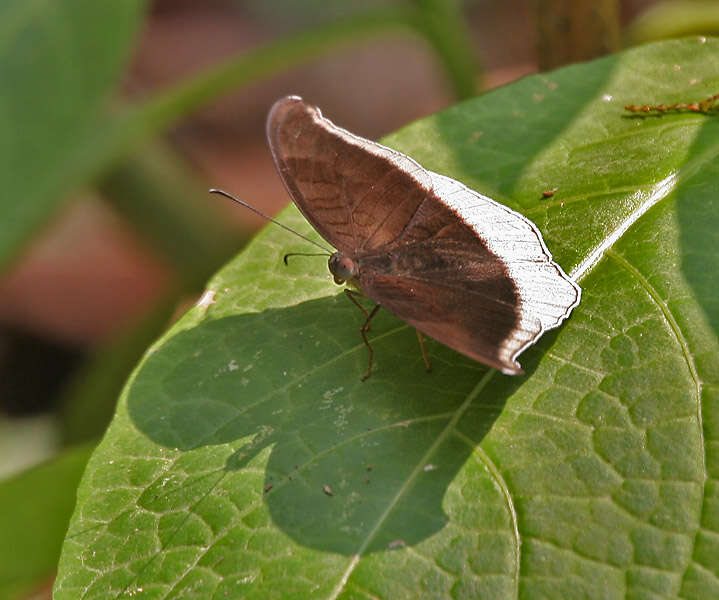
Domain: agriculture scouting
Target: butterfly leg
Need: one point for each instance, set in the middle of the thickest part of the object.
(424, 354)
(351, 294)
(363, 331)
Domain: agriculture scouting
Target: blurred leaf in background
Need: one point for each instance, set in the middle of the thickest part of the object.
(60, 64)
(675, 18)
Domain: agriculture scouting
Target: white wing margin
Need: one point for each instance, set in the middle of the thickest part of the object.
(547, 294)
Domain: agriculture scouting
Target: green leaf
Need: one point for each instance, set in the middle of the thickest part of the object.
(59, 60)
(35, 508)
(594, 475)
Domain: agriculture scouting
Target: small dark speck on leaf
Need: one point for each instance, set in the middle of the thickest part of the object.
(370, 467)
(397, 544)
(268, 487)
(327, 490)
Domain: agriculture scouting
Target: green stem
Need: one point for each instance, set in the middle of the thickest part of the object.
(441, 23)
(166, 108)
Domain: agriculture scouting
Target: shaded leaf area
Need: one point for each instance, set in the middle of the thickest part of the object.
(305, 427)
(58, 63)
(247, 460)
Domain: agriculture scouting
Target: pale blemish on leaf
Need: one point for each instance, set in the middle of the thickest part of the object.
(329, 394)
(206, 299)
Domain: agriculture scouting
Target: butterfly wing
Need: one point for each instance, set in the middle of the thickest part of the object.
(356, 193)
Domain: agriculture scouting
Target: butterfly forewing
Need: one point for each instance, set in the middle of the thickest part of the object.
(357, 194)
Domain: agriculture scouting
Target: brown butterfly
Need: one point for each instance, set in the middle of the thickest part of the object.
(456, 265)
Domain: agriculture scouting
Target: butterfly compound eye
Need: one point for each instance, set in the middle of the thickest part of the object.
(343, 268)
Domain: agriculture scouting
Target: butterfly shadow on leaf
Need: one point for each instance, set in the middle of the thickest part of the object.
(269, 408)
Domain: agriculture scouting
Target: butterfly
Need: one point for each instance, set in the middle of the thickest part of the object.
(456, 265)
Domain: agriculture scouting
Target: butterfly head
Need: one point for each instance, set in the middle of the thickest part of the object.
(343, 268)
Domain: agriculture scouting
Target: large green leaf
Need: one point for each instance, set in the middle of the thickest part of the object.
(59, 60)
(594, 475)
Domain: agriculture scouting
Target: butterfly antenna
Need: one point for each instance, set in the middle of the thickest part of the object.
(269, 218)
(286, 256)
